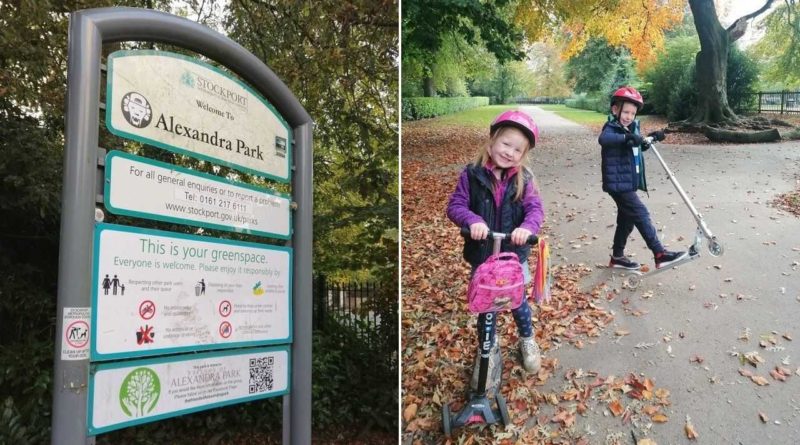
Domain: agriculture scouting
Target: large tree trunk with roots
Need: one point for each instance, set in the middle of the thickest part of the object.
(713, 116)
(711, 66)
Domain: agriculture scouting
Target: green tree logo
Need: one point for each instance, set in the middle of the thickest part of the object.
(139, 392)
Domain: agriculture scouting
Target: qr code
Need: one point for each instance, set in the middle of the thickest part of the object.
(261, 374)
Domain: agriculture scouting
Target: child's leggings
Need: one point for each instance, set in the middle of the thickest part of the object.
(632, 212)
(522, 316)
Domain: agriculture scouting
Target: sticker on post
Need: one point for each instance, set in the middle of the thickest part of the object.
(75, 339)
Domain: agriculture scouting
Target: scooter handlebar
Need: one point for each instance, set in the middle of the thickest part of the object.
(532, 240)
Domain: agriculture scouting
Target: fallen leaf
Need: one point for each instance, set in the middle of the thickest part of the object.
(696, 359)
(659, 418)
(787, 336)
(410, 412)
(616, 408)
(777, 375)
(650, 409)
(646, 441)
(745, 372)
(621, 332)
(689, 428)
(759, 380)
(763, 417)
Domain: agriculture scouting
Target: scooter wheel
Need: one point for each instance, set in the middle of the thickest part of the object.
(501, 404)
(446, 420)
(633, 281)
(715, 248)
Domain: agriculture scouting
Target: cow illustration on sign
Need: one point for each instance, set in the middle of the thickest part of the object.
(136, 110)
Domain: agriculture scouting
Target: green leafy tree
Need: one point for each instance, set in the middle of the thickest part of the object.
(426, 24)
(778, 51)
(598, 67)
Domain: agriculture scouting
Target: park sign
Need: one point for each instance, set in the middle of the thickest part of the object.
(156, 292)
(141, 187)
(189, 107)
(127, 393)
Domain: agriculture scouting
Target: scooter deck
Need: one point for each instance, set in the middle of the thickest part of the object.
(686, 259)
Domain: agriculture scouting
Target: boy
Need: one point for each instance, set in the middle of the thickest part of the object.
(623, 175)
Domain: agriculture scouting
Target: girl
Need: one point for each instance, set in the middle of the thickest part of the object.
(496, 191)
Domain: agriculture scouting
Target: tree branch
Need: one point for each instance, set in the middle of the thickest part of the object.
(738, 27)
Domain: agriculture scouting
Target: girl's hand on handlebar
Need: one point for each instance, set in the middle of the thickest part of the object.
(520, 236)
(478, 231)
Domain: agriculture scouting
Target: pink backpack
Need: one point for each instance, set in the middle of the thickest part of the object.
(497, 284)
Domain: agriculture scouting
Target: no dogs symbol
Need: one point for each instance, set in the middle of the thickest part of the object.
(225, 308)
(78, 334)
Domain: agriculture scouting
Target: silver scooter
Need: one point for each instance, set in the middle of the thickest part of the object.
(714, 247)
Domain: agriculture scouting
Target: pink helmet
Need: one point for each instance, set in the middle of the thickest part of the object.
(518, 119)
(628, 94)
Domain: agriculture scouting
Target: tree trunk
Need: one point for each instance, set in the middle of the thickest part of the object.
(711, 65)
(427, 87)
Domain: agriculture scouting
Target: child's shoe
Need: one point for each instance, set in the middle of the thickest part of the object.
(531, 358)
(494, 371)
(666, 258)
(623, 262)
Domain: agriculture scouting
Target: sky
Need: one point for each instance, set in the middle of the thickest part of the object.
(731, 10)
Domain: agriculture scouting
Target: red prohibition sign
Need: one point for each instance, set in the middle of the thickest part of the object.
(225, 329)
(147, 309)
(77, 334)
(225, 308)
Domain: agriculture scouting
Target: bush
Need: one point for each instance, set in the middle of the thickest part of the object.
(683, 99)
(673, 79)
(425, 107)
(666, 73)
(584, 102)
(742, 78)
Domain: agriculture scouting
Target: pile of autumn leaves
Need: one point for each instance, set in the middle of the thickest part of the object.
(439, 336)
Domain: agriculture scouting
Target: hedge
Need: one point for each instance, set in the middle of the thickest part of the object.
(602, 104)
(425, 107)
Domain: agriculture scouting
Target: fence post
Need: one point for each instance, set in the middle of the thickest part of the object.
(760, 96)
(783, 99)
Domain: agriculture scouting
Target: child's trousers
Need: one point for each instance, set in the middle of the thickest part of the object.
(631, 212)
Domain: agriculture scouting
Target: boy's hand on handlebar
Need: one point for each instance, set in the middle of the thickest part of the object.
(478, 231)
(657, 135)
(520, 236)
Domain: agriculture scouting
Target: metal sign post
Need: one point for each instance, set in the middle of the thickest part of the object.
(88, 31)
